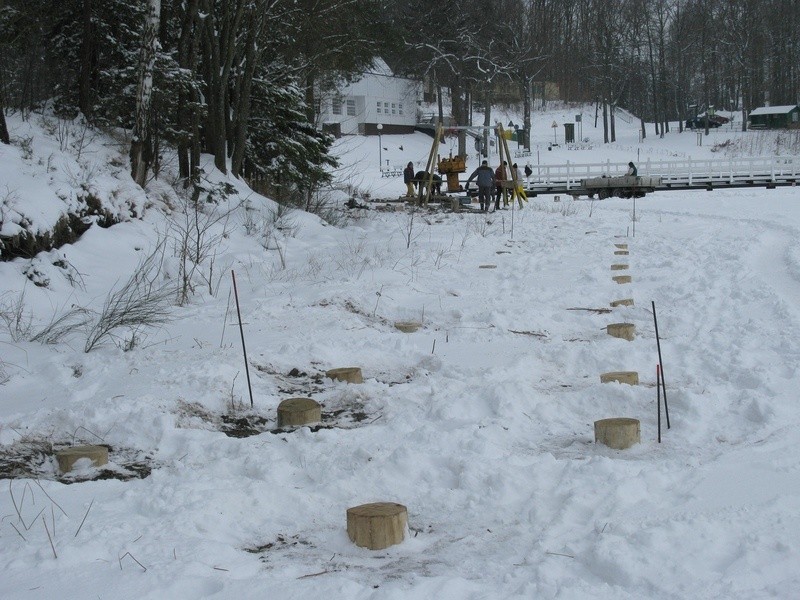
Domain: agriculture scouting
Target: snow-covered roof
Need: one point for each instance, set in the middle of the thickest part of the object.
(379, 67)
(773, 110)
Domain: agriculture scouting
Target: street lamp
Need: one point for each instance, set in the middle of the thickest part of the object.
(380, 146)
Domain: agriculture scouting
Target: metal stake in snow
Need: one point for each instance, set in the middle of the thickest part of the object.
(660, 364)
(658, 399)
(241, 331)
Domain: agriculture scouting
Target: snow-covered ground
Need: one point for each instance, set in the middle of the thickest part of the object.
(481, 422)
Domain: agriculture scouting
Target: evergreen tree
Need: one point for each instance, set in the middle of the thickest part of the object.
(283, 145)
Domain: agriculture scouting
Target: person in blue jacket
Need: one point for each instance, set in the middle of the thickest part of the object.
(486, 182)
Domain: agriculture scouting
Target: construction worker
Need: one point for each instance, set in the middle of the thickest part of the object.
(408, 179)
(500, 177)
(519, 186)
(486, 182)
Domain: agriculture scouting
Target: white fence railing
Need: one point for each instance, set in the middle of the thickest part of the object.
(684, 171)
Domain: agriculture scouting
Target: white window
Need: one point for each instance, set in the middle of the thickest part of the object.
(394, 108)
(379, 108)
(336, 106)
(400, 108)
(351, 108)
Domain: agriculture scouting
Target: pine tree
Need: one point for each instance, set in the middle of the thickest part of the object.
(283, 145)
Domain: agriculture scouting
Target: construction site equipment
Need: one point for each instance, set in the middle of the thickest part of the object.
(451, 167)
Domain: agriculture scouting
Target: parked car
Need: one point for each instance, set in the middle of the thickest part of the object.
(699, 122)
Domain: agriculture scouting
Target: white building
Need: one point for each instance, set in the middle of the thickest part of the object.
(378, 97)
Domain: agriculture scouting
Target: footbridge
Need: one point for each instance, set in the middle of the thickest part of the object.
(675, 174)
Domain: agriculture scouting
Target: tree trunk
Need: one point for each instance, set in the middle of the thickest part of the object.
(439, 103)
(187, 55)
(605, 122)
(311, 113)
(526, 110)
(457, 106)
(487, 120)
(141, 151)
(4, 137)
(87, 54)
(244, 85)
(613, 122)
(220, 50)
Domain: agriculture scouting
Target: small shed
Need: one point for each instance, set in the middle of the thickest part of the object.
(775, 117)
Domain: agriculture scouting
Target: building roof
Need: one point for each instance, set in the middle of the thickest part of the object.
(379, 67)
(773, 110)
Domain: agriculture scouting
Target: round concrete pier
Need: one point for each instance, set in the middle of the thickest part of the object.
(629, 377)
(69, 456)
(295, 412)
(622, 302)
(378, 525)
(626, 331)
(407, 326)
(619, 433)
(348, 374)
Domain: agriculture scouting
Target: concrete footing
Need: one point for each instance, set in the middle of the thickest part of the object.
(69, 456)
(628, 377)
(626, 331)
(348, 374)
(378, 525)
(619, 433)
(295, 412)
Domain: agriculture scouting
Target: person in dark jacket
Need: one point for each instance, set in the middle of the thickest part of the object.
(632, 170)
(500, 175)
(408, 179)
(421, 181)
(486, 182)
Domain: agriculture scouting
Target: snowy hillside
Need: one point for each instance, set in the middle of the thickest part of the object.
(480, 423)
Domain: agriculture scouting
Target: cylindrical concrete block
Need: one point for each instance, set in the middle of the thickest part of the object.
(487, 266)
(622, 278)
(295, 412)
(69, 456)
(378, 525)
(618, 433)
(626, 331)
(622, 302)
(619, 267)
(621, 252)
(348, 374)
(621, 246)
(407, 326)
(628, 377)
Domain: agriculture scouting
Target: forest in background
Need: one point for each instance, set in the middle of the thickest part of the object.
(242, 79)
